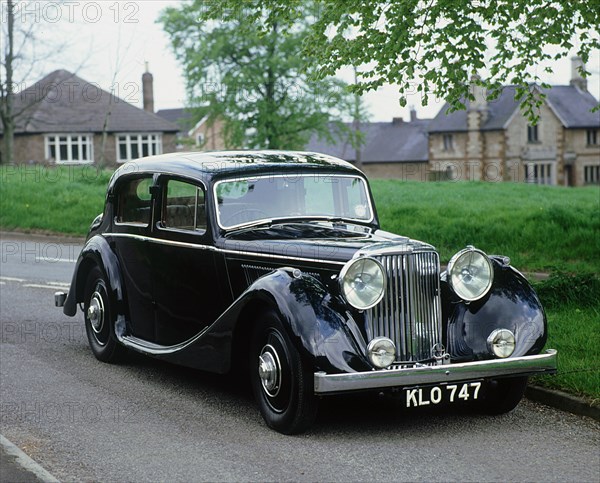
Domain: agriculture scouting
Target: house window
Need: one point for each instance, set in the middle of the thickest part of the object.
(592, 137)
(448, 142)
(199, 139)
(532, 134)
(540, 173)
(132, 146)
(591, 174)
(69, 148)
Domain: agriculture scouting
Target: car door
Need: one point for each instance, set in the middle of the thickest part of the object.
(131, 227)
(187, 287)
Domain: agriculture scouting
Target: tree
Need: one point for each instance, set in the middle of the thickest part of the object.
(20, 58)
(6, 89)
(255, 80)
(433, 47)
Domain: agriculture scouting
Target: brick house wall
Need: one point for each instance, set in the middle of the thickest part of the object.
(30, 148)
(213, 136)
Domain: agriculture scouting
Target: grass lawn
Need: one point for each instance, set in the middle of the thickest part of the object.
(575, 333)
(540, 228)
(62, 199)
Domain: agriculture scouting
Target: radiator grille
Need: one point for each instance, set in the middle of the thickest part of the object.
(409, 313)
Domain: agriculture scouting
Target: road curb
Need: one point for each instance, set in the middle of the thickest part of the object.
(563, 401)
(25, 462)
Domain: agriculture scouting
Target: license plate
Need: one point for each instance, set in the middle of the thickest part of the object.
(443, 393)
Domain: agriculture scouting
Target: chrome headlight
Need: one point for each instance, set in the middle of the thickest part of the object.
(470, 274)
(381, 352)
(362, 282)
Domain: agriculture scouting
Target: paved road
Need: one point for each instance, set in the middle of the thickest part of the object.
(146, 420)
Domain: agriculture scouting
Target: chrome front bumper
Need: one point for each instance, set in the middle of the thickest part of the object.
(357, 381)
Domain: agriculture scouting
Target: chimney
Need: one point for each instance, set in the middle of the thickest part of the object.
(576, 79)
(413, 114)
(397, 120)
(148, 90)
(479, 103)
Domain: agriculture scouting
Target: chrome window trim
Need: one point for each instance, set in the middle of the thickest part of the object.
(292, 176)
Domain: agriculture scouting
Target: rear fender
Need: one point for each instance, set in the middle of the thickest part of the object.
(96, 252)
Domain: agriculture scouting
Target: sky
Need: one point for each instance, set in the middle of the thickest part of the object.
(108, 43)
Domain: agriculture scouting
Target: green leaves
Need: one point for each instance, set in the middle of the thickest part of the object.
(247, 63)
(437, 44)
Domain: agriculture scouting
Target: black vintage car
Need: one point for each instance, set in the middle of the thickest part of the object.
(274, 263)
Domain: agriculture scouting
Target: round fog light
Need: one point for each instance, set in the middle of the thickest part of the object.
(501, 343)
(381, 351)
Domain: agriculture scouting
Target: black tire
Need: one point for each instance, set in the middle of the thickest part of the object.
(282, 383)
(503, 395)
(99, 314)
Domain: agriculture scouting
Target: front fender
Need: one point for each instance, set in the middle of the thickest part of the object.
(321, 332)
(324, 330)
(96, 252)
(511, 304)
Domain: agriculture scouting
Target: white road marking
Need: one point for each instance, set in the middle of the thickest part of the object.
(54, 260)
(13, 279)
(33, 284)
(38, 285)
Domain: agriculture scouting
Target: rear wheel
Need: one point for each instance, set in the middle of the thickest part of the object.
(99, 317)
(282, 383)
(503, 395)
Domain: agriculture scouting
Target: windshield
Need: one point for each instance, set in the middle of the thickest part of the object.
(311, 196)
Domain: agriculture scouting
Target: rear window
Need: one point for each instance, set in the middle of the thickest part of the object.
(134, 201)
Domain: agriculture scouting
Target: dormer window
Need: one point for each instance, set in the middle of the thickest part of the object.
(532, 134)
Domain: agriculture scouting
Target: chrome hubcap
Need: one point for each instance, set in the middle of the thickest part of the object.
(95, 312)
(269, 370)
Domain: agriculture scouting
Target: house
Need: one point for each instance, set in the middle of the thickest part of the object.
(493, 141)
(200, 136)
(396, 149)
(64, 119)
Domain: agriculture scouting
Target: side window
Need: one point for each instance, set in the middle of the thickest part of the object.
(134, 201)
(184, 207)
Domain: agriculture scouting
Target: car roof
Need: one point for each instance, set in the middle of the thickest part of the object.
(219, 164)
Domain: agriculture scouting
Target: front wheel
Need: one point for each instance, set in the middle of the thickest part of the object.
(99, 317)
(504, 395)
(281, 382)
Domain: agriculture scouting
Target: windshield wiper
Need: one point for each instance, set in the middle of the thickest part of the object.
(250, 226)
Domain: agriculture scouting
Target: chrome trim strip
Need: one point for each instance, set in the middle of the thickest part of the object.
(196, 246)
(147, 347)
(536, 364)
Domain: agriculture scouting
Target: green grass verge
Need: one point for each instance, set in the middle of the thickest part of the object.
(572, 304)
(539, 228)
(62, 199)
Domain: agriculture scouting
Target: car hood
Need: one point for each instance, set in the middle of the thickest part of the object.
(319, 243)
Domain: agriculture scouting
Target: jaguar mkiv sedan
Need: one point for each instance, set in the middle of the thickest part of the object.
(274, 264)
